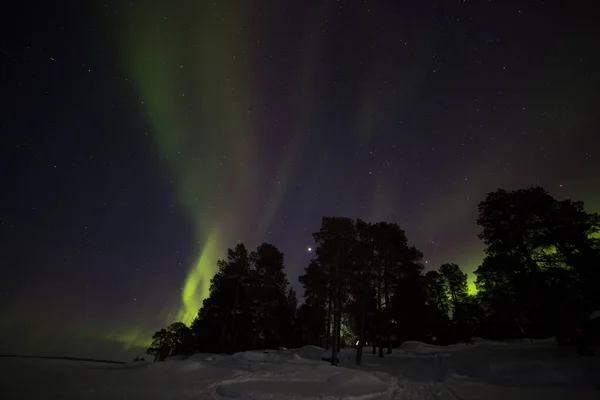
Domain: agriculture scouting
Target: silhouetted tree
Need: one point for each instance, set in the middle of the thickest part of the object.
(367, 275)
(161, 345)
(249, 306)
(396, 266)
(408, 307)
(226, 313)
(437, 306)
(540, 273)
(269, 297)
(456, 282)
(437, 291)
(176, 339)
(335, 241)
(457, 285)
(497, 287)
(288, 324)
(362, 291)
(180, 338)
(313, 314)
(530, 238)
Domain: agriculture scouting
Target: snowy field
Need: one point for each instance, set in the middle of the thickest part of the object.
(484, 370)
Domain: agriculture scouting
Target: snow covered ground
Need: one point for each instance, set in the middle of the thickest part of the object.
(485, 370)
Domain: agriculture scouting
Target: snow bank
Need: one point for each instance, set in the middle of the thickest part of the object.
(531, 365)
(176, 358)
(205, 357)
(487, 370)
(280, 374)
(267, 356)
(310, 352)
(426, 348)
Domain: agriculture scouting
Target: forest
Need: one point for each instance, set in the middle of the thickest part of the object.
(367, 287)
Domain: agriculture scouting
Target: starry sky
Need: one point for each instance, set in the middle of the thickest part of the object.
(141, 139)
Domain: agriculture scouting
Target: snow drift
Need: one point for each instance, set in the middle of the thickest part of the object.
(483, 370)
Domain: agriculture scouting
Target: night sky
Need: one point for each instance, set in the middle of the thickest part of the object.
(141, 139)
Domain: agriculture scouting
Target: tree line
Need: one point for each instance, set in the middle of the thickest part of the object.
(366, 286)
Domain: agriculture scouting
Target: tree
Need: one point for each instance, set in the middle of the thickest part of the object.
(292, 302)
(539, 230)
(406, 310)
(497, 292)
(335, 241)
(367, 275)
(224, 321)
(313, 314)
(176, 339)
(361, 283)
(288, 324)
(456, 281)
(530, 238)
(513, 222)
(249, 306)
(389, 243)
(161, 345)
(180, 338)
(269, 297)
(437, 291)
(437, 305)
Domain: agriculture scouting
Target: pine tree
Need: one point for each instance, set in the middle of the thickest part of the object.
(269, 297)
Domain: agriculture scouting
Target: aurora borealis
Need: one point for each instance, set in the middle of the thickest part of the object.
(142, 139)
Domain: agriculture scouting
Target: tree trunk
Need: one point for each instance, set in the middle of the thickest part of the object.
(374, 340)
(361, 336)
(380, 315)
(231, 343)
(223, 342)
(388, 324)
(340, 342)
(329, 315)
(334, 345)
(379, 312)
(338, 332)
(234, 340)
(520, 327)
(255, 339)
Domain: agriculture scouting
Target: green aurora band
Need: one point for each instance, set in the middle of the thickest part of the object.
(202, 131)
(197, 88)
(195, 83)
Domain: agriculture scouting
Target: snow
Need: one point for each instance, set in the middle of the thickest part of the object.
(482, 370)
(310, 352)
